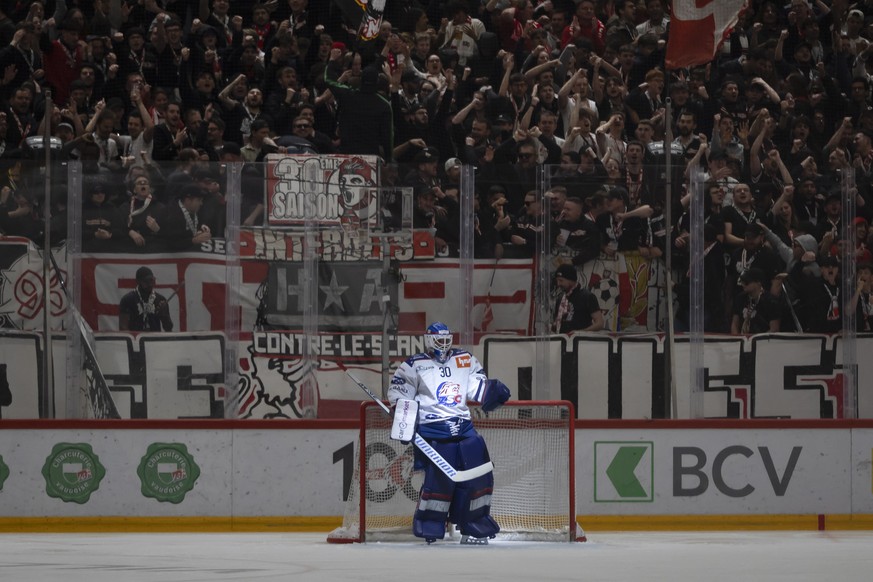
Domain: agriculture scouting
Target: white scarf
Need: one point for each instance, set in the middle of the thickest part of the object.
(192, 222)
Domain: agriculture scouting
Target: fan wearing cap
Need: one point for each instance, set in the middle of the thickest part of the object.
(143, 309)
(103, 225)
(852, 39)
(62, 58)
(452, 169)
(822, 302)
(829, 227)
(755, 310)
(620, 229)
(422, 125)
(136, 56)
(181, 226)
(425, 174)
(218, 20)
(577, 308)
(578, 236)
(753, 253)
(405, 97)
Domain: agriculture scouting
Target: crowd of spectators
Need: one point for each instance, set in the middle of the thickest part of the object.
(152, 95)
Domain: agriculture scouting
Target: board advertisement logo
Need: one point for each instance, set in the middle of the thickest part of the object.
(72, 472)
(167, 472)
(624, 471)
(4, 472)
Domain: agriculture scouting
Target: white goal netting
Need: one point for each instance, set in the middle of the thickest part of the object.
(531, 446)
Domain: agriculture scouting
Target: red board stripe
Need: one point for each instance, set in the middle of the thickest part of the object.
(412, 323)
(518, 297)
(429, 290)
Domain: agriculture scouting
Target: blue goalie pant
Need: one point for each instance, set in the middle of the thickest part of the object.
(466, 504)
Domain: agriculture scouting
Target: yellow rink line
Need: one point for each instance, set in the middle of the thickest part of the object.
(185, 524)
(726, 522)
(182, 524)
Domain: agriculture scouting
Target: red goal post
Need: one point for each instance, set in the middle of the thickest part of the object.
(532, 446)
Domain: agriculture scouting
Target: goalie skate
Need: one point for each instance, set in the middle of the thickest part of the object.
(471, 541)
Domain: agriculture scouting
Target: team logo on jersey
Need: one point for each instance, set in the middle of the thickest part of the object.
(4, 472)
(448, 394)
(72, 472)
(167, 472)
(464, 361)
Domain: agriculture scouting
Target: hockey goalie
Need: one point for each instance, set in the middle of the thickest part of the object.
(429, 393)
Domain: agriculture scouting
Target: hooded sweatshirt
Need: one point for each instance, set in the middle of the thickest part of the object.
(786, 253)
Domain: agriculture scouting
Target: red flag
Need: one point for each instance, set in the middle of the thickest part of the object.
(697, 29)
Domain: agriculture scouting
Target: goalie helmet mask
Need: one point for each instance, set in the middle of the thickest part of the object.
(438, 341)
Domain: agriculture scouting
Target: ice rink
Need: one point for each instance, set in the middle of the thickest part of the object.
(698, 557)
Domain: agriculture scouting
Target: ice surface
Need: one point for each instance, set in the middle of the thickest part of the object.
(606, 557)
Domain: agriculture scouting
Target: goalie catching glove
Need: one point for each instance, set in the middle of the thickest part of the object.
(496, 393)
(405, 420)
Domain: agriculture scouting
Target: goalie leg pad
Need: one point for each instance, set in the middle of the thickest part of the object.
(435, 499)
(472, 452)
(471, 504)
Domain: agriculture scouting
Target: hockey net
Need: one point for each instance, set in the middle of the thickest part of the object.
(531, 445)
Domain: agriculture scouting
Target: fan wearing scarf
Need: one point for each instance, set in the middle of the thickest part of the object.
(142, 309)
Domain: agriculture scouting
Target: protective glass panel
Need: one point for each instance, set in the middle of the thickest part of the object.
(313, 266)
(148, 266)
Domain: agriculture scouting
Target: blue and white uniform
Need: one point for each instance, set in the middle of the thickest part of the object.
(443, 381)
(441, 389)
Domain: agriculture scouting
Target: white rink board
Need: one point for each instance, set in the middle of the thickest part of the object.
(862, 470)
(721, 471)
(301, 472)
(243, 473)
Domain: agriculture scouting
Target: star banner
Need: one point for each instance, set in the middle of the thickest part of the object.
(345, 297)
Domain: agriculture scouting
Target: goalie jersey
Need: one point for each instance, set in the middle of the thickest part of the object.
(442, 390)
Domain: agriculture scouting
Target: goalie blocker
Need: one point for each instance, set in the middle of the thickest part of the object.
(405, 420)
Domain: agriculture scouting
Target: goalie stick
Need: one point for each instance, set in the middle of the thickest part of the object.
(429, 452)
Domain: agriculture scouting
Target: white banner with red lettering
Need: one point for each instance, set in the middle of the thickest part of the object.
(196, 287)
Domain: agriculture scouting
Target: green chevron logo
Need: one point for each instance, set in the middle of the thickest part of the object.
(4, 472)
(623, 471)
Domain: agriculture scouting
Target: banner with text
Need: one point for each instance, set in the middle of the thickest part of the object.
(327, 190)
